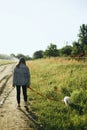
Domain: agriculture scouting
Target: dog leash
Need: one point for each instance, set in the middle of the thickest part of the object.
(43, 95)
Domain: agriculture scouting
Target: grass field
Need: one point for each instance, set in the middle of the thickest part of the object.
(4, 62)
(54, 79)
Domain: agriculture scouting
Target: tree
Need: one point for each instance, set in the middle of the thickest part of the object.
(51, 51)
(38, 54)
(83, 37)
(76, 49)
(12, 55)
(24, 56)
(66, 51)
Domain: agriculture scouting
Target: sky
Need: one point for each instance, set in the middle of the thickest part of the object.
(27, 26)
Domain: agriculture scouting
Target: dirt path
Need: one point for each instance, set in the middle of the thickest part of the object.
(12, 118)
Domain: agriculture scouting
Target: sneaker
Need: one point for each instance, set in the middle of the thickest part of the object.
(27, 109)
(18, 106)
(25, 104)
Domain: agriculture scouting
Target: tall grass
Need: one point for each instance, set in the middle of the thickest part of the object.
(4, 62)
(55, 78)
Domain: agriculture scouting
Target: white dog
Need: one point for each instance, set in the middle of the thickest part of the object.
(77, 107)
(66, 100)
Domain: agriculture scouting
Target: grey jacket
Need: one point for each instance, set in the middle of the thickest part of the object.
(21, 75)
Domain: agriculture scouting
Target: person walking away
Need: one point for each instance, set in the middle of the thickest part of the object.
(21, 78)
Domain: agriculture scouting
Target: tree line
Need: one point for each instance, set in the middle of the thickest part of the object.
(78, 48)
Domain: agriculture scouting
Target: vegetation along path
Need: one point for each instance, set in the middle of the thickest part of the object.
(12, 118)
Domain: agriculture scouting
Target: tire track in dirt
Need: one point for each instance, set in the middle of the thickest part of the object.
(5, 90)
(12, 118)
(5, 75)
(3, 82)
(3, 68)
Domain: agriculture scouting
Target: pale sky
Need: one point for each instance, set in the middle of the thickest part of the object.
(27, 26)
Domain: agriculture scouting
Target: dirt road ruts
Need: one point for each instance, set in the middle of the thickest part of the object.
(12, 118)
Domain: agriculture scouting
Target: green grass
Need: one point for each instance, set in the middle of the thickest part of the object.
(4, 62)
(55, 78)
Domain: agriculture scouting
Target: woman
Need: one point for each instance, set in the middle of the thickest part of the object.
(21, 78)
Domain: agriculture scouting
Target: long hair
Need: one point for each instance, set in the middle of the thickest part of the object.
(22, 60)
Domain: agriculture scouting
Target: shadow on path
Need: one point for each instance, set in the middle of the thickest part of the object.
(31, 116)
